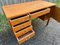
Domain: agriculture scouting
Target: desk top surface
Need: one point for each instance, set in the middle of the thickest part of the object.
(24, 8)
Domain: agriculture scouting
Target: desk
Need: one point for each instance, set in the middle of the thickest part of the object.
(20, 15)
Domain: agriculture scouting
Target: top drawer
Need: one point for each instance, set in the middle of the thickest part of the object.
(19, 20)
(40, 13)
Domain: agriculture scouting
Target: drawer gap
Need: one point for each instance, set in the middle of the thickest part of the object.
(23, 28)
(21, 23)
(20, 37)
(18, 17)
(38, 11)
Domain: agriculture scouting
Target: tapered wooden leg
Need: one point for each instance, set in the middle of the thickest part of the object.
(48, 21)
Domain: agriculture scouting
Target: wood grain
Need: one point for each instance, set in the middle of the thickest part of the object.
(56, 13)
(24, 8)
(22, 32)
(21, 26)
(19, 20)
(26, 37)
(40, 13)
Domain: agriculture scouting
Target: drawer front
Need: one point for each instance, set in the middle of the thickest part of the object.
(40, 13)
(19, 20)
(19, 27)
(22, 32)
(26, 37)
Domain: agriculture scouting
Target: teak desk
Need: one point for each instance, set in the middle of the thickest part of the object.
(20, 15)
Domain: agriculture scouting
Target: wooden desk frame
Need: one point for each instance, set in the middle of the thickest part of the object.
(17, 15)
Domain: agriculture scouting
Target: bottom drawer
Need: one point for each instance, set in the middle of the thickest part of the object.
(26, 37)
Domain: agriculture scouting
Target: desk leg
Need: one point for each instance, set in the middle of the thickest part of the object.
(48, 21)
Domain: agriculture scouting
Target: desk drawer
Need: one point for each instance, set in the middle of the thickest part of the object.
(19, 20)
(26, 37)
(40, 13)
